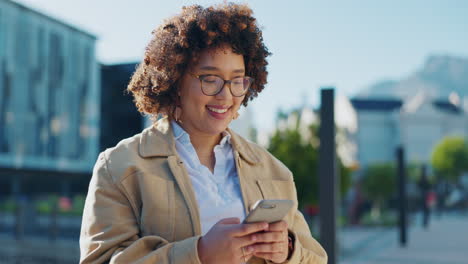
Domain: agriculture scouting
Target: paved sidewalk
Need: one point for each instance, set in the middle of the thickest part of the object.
(359, 241)
(38, 250)
(444, 242)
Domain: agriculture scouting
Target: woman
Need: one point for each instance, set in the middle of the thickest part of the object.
(176, 193)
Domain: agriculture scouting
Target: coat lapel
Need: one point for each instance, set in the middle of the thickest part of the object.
(185, 185)
(158, 141)
(245, 160)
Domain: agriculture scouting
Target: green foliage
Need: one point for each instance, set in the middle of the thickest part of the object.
(379, 181)
(8, 205)
(414, 173)
(450, 158)
(302, 159)
(78, 205)
(345, 179)
(45, 205)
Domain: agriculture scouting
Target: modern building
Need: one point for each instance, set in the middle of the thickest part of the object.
(49, 102)
(119, 116)
(417, 123)
(416, 111)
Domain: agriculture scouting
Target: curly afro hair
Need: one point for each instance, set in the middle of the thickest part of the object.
(179, 40)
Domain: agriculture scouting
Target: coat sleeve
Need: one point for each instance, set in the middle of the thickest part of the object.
(306, 249)
(110, 232)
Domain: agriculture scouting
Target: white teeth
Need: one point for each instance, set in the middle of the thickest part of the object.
(221, 111)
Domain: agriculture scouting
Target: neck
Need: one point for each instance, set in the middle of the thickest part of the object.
(202, 143)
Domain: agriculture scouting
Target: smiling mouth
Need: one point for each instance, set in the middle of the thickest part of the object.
(217, 110)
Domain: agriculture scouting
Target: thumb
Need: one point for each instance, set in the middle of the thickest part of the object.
(229, 221)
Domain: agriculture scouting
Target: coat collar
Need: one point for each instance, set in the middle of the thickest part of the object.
(158, 141)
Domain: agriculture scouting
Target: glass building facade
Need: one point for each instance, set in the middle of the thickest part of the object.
(49, 93)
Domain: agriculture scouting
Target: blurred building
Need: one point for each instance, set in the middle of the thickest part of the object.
(49, 102)
(417, 123)
(119, 116)
(416, 110)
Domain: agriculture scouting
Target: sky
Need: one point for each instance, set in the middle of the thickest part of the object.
(347, 45)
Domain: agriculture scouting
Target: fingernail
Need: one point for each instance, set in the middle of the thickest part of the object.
(254, 238)
(249, 249)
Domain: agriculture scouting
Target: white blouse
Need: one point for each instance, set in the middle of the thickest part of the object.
(218, 194)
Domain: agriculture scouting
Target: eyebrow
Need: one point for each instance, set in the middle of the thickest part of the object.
(212, 68)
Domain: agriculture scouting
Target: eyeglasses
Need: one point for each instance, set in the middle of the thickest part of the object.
(212, 84)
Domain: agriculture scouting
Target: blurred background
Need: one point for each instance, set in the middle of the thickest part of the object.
(400, 74)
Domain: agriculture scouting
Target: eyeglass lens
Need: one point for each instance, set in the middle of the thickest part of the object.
(212, 84)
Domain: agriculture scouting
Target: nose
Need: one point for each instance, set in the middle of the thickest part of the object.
(225, 92)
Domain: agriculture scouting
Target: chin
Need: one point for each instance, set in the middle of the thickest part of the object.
(216, 128)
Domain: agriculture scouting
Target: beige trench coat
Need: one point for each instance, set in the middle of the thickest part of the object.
(141, 206)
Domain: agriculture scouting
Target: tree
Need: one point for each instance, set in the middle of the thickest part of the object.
(301, 160)
(378, 184)
(301, 157)
(450, 158)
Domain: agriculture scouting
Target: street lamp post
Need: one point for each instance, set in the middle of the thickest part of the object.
(402, 199)
(328, 175)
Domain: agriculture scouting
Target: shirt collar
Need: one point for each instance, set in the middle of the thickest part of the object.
(158, 141)
(183, 137)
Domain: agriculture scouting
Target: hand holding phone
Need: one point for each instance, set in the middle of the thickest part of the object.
(269, 241)
(269, 211)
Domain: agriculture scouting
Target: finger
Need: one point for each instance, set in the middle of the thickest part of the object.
(278, 226)
(246, 252)
(230, 220)
(246, 229)
(268, 237)
(277, 247)
(247, 257)
(245, 241)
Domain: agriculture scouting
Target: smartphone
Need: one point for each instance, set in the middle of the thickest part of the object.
(269, 211)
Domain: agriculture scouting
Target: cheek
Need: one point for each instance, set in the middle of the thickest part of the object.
(195, 104)
(194, 99)
(238, 102)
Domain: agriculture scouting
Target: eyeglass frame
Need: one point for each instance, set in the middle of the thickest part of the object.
(222, 86)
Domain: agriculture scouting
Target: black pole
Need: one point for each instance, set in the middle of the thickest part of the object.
(424, 186)
(327, 175)
(402, 200)
(53, 222)
(19, 219)
(20, 207)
